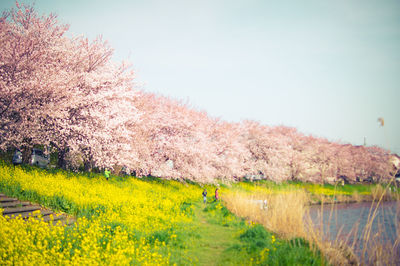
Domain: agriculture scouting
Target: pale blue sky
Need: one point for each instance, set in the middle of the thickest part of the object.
(328, 68)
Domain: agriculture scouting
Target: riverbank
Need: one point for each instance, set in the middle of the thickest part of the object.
(371, 229)
(321, 193)
(164, 222)
(287, 214)
(137, 221)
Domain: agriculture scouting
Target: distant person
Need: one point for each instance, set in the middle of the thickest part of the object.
(216, 194)
(204, 196)
(107, 173)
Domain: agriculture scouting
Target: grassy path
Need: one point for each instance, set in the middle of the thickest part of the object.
(212, 239)
(219, 238)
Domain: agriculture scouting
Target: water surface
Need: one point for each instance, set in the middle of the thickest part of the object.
(348, 222)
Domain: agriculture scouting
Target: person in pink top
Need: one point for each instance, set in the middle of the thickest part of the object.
(216, 194)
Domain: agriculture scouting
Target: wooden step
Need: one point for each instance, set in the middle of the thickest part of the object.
(26, 215)
(54, 217)
(67, 221)
(28, 208)
(13, 208)
(7, 199)
(14, 204)
(46, 216)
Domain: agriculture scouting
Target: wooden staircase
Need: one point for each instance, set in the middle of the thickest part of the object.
(12, 208)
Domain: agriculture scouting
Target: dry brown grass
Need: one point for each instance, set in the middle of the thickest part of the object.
(378, 252)
(381, 192)
(287, 215)
(378, 192)
(337, 252)
(375, 250)
(284, 214)
(357, 197)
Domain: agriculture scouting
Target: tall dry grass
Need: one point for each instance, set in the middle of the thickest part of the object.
(284, 214)
(357, 197)
(378, 192)
(288, 216)
(336, 251)
(375, 250)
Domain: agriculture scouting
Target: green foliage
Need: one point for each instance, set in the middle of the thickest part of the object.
(219, 214)
(187, 207)
(265, 249)
(161, 236)
(256, 235)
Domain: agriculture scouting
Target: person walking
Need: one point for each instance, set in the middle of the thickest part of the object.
(107, 173)
(204, 196)
(216, 194)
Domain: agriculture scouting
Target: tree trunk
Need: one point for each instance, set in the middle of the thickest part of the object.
(88, 165)
(26, 155)
(61, 163)
(88, 160)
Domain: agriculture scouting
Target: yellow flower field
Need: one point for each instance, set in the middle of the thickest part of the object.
(119, 222)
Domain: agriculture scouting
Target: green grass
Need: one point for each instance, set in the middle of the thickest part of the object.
(220, 238)
(211, 238)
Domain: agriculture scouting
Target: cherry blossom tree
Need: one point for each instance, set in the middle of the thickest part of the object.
(29, 72)
(171, 139)
(379, 166)
(66, 92)
(59, 90)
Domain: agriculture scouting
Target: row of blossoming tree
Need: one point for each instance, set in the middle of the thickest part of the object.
(66, 93)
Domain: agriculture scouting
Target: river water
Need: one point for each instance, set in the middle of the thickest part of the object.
(347, 222)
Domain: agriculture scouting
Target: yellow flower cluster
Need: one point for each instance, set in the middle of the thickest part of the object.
(320, 190)
(36, 242)
(115, 224)
(316, 189)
